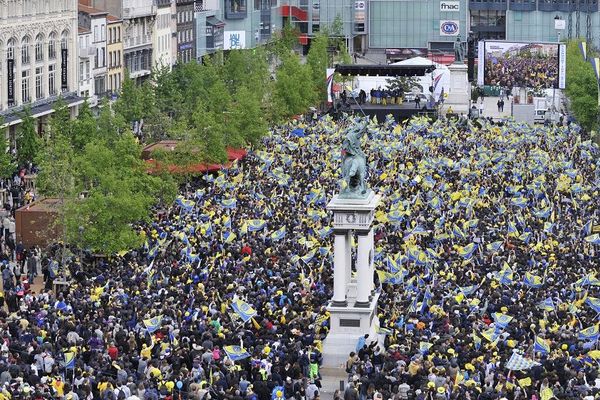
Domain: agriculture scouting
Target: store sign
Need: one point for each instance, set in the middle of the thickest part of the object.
(234, 40)
(359, 11)
(10, 63)
(449, 28)
(449, 6)
(64, 84)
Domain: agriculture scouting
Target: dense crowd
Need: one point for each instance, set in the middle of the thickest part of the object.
(485, 245)
(534, 72)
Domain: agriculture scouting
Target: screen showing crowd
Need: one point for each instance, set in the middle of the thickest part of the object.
(530, 65)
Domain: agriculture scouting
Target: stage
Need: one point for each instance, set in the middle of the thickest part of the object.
(400, 112)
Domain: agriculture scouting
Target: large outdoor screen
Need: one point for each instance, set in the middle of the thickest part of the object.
(522, 64)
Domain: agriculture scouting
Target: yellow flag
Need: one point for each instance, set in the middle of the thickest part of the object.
(547, 394)
(525, 382)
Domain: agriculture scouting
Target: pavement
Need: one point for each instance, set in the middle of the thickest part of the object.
(490, 108)
(330, 381)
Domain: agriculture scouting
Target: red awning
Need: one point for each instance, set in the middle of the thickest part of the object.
(200, 168)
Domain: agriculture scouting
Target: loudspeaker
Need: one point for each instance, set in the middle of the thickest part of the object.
(471, 59)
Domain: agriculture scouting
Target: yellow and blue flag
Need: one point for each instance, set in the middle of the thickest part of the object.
(228, 237)
(153, 324)
(594, 303)
(541, 345)
(593, 239)
(467, 251)
(326, 231)
(69, 360)
(589, 334)
(255, 225)
(236, 353)
(533, 281)
(547, 305)
(502, 320)
(243, 309)
(494, 246)
(229, 203)
(518, 363)
(309, 256)
(468, 290)
(278, 234)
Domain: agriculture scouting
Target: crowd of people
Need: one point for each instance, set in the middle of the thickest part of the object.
(485, 250)
(535, 72)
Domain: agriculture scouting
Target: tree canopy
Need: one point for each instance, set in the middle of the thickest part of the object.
(582, 87)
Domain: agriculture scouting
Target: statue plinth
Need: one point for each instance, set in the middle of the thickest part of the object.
(458, 92)
(354, 303)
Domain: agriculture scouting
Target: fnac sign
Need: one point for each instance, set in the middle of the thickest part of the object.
(449, 28)
(449, 6)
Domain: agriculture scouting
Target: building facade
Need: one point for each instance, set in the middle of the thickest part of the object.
(114, 49)
(95, 21)
(186, 35)
(38, 57)
(162, 35)
(139, 18)
(86, 52)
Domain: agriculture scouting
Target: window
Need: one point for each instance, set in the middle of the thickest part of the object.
(81, 70)
(25, 50)
(119, 58)
(51, 80)
(118, 33)
(25, 96)
(10, 49)
(103, 57)
(38, 84)
(52, 46)
(64, 40)
(87, 69)
(39, 48)
(96, 58)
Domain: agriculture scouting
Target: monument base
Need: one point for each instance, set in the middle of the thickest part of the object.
(347, 325)
(458, 93)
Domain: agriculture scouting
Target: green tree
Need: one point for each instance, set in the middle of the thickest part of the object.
(247, 117)
(292, 96)
(28, 141)
(134, 101)
(317, 59)
(582, 88)
(7, 162)
(208, 134)
(120, 194)
(85, 127)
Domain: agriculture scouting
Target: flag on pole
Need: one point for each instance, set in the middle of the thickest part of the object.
(236, 353)
(518, 363)
(541, 345)
(243, 309)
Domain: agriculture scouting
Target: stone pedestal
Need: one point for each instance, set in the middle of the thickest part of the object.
(354, 304)
(458, 93)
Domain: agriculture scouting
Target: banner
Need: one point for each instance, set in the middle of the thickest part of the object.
(11, 80)
(63, 69)
(330, 73)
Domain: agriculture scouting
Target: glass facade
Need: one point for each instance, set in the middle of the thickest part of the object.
(413, 23)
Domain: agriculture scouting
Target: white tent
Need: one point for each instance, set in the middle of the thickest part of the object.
(439, 78)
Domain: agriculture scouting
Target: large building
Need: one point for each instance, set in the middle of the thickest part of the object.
(114, 48)
(139, 19)
(86, 54)
(95, 21)
(38, 58)
(186, 30)
(162, 35)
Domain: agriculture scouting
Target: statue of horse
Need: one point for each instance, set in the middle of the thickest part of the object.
(354, 164)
